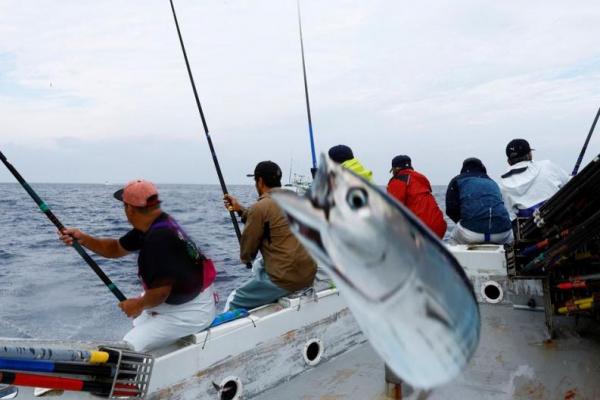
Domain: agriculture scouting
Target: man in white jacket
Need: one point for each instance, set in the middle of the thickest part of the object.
(528, 184)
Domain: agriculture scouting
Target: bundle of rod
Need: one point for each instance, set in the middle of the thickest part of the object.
(576, 305)
(108, 372)
(577, 237)
(70, 368)
(564, 205)
(572, 212)
(72, 384)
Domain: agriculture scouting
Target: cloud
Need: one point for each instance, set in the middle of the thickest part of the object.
(440, 81)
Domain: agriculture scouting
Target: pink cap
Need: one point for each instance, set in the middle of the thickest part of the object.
(138, 193)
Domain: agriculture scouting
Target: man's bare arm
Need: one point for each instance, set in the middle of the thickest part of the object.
(151, 298)
(106, 247)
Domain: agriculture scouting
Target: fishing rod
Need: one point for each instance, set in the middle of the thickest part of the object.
(54, 354)
(576, 199)
(579, 282)
(72, 384)
(579, 304)
(234, 220)
(574, 239)
(585, 145)
(46, 210)
(313, 170)
(70, 368)
(539, 246)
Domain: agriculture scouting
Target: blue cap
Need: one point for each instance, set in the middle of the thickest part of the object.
(340, 153)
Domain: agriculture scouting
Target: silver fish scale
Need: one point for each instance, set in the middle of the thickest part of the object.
(410, 296)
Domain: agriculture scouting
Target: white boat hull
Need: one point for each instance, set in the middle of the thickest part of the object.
(261, 353)
(267, 349)
(258, 352)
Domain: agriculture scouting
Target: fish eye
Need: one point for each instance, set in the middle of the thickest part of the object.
(357, 198)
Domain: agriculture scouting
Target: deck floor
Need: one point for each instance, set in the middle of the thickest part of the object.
(515, 360)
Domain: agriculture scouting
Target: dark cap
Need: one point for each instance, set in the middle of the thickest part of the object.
(401, 161)
(517, 148)
(473, 164)
(269, 171)
(340, 153)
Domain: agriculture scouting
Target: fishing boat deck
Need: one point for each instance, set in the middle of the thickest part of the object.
(515, 360)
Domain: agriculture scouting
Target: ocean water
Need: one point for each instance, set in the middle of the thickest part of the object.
(47, 291)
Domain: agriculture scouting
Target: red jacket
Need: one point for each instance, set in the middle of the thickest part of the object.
(414, 191)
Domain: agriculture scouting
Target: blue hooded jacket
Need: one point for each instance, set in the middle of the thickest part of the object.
(475, 200)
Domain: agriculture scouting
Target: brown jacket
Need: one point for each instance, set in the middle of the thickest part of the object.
(286, 261)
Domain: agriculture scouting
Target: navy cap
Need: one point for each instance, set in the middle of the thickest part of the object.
(473, 164)
(401, 161)
(517, 148)
(341, 153)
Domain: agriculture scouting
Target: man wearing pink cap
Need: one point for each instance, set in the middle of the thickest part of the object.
(178, 293)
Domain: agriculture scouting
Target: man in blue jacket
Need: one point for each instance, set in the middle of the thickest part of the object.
(474, 203)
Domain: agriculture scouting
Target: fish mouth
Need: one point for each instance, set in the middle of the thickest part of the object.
(309, 218)
(311, 239)
(306, 221)
(308, 232)
(309, 214)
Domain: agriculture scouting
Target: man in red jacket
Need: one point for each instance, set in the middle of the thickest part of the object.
(414, 191)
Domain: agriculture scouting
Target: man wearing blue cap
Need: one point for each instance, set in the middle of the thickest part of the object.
(343, 155)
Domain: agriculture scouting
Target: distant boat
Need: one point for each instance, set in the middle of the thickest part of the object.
(298, 184)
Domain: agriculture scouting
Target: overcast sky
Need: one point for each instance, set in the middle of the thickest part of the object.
(97, 91)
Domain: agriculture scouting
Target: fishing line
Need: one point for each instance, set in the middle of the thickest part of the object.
(313, 170)
(234, 220)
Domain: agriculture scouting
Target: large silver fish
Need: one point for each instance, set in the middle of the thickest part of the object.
(410, 296)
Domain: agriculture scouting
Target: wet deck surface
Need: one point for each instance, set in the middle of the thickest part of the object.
(515, 360)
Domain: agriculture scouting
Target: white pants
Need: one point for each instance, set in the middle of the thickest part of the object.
(166, 323)
(462, 235)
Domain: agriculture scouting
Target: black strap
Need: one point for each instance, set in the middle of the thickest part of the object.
(402, 177)
(514, 172)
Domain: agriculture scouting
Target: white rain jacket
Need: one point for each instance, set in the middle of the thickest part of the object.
(529, 183)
